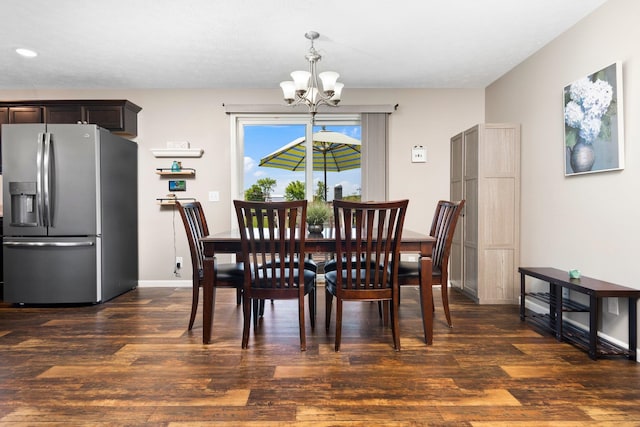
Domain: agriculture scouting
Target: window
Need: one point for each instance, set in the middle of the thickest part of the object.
(272, 159)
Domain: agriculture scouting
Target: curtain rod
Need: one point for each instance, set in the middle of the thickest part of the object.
(284, 109)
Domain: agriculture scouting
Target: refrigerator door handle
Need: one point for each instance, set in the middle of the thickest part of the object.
(39, 180)
(47, 244)
(47, 180)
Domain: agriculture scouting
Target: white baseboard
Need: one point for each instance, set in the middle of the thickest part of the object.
(164, 283)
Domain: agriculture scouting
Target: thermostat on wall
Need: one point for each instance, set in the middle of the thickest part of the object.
(418, 154)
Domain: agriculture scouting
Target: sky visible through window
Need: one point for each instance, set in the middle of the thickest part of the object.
(262, 140)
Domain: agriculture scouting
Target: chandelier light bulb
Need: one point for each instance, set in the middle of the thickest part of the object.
(312, 95)
(301, 80)
(289, 91)
(329, 79)
(337, 93)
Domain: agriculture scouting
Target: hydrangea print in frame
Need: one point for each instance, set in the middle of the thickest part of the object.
(593, 128)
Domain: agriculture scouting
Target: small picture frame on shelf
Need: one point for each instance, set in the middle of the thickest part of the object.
(177, 185)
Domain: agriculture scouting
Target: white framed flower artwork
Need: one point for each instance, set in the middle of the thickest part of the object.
(593, 127)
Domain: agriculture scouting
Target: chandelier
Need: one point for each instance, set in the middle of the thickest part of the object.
(305, 88)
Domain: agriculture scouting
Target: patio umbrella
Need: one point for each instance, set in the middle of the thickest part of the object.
(332, 152)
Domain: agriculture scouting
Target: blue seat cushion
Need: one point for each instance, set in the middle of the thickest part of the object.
(412, 269)
(309, 277)
(331, 279)
(332, 264)
(309, 264)
(228, 272)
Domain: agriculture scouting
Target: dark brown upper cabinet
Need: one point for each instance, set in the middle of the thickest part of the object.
(117, 116)
(63, 114)
(24, 114)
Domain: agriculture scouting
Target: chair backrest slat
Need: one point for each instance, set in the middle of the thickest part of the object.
(368, 242)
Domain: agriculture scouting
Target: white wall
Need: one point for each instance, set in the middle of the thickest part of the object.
(425, 117)
(589, 222)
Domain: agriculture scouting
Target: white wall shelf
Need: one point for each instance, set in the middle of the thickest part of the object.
(171, 201)
(177, 152)
(181, 172)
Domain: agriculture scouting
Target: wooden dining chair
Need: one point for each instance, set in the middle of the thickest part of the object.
(443, 227)
(226, 274)
(272, 236)
(369, 231)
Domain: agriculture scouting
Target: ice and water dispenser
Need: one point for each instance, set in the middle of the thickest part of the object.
(23, 204)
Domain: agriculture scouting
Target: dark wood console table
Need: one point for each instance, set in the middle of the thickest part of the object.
(596, 289)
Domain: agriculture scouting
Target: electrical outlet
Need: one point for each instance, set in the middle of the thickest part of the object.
(178, 262)
(612, 306)
(565, 293)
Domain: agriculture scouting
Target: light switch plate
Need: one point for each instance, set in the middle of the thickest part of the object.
(418, 154)
(214, 196)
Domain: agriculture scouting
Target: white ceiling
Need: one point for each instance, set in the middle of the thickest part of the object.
(256, 43)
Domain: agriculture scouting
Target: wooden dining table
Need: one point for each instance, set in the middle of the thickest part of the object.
(228, 242)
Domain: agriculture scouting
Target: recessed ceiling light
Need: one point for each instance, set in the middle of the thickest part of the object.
(27, 53)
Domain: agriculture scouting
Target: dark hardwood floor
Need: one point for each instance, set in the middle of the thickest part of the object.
(131, 361)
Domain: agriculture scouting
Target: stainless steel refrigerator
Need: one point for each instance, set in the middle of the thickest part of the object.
(70, 229)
